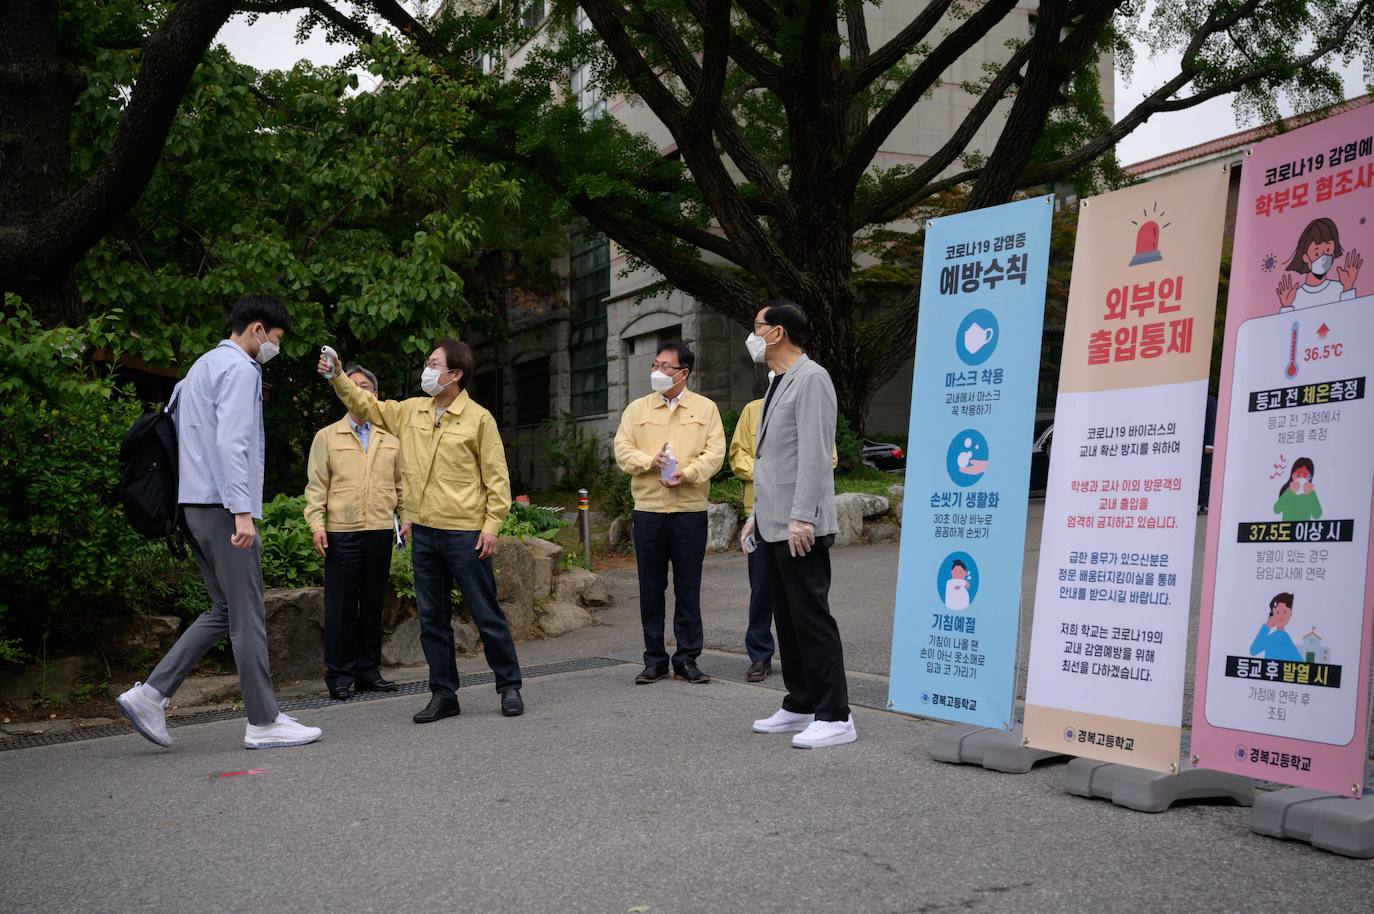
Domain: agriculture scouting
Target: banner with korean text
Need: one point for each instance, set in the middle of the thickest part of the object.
(958, 604)
(1109, 638)
(1283, 649)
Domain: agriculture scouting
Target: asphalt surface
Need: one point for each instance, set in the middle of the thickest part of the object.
(610, 797)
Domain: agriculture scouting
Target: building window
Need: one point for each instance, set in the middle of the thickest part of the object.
(486, 390)
(532, 12)
(532, 391)
(589, 283)
(583, 83)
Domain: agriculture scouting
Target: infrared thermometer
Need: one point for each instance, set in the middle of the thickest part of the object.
(333, 361)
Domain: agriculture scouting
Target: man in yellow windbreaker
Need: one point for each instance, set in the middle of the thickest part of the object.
(352, 494)
(758, 636)
(457, 493)
(670, 443)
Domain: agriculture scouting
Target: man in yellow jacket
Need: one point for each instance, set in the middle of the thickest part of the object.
(457, 493)
(352, 494)
(758, 636)
(670, 443)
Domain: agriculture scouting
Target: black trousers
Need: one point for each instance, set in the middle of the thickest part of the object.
(679, 539)
(808, 638)
(357, 567)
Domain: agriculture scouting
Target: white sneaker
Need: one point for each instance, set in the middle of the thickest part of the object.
(784, 721)
(280, 734)
(824, 733)
(146, 713)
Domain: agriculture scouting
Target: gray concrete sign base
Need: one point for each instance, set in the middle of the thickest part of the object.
(995, 750)
(1342, 825)
(1153, 791)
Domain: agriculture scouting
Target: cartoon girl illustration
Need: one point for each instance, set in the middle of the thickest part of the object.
(956, 588)
(1313, 260)
(1297, 497)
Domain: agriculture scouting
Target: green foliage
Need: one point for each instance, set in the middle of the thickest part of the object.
(867, 481)
(532, 520)
(289, 558)
(729, 420)
(573, 558)
(849, 447)
(65, 546)
(613, 496)
(729, 490)
(576, 454)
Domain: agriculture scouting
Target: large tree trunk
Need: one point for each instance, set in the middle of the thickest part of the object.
(38, 90)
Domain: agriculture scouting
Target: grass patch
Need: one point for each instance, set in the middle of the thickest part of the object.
(867, 481)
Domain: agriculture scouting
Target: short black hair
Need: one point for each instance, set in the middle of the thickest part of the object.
(957, 563)
(685, 357)
(458, 356)
(787, 314)
(1285, 598)
(355, 368)
(253, 308)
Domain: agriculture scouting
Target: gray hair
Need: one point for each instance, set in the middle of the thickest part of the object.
(355, 368)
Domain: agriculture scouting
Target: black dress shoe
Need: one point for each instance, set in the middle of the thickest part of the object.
(759, 671)
(378, 685)
(691, 672)
(512, 705)
(652, 674)
(438, 708)
(340, 693)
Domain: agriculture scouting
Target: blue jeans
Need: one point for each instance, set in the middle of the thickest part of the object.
(758, 637)
(437, 555)
(679, 539)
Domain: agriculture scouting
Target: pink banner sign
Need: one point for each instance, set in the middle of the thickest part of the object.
(1284, 636)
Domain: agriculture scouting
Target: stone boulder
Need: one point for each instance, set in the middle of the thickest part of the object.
(620, 531)
(559, 617)
(295, 631)
(897, 511)
(883, 533)
(61, 677)
(515, 586)
(149, 635)
(722, 523)
(897, 492)
(402, 647)
(581, 588)
(546, 556)
(466, 638)
(850, 509)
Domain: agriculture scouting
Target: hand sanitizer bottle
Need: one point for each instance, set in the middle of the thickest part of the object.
(670, 467)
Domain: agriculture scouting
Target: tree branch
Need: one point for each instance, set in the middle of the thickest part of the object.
(921, 79)
(890, 54)
(400, 19)
(63, 235)
(856, 26)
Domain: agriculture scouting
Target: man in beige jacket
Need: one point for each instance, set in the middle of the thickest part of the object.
(670, 443)
(351, 501)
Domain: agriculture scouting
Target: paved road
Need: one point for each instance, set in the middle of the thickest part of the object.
(607, 797)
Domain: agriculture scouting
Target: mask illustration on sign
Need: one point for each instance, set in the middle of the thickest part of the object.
(660, 381)
(756, 346)
(429, 381)
(976, 337)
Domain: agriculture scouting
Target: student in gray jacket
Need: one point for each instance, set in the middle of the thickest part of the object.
(220, 462)
(794, 522)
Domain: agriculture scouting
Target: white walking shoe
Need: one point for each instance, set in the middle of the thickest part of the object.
(824, 733)
(784, 721)
(147, 713)
(280, 734)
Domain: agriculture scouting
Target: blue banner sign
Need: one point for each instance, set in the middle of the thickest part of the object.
(968, 464)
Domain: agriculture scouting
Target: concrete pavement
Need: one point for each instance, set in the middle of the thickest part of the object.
(610, 797)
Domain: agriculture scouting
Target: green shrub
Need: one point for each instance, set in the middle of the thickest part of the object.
(612, 496)
(288, 547)
(575, 453)
(730, 420)
(849, 447)
(532, 520)
(730, 491)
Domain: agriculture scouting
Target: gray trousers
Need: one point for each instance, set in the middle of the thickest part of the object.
(233, 580)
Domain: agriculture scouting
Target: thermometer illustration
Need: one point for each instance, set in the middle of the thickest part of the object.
(1292, 371)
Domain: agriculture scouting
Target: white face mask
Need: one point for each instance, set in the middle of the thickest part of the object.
(660, 382)
(1322, 265)
(757, 346)
(267, 351)
(429, 381)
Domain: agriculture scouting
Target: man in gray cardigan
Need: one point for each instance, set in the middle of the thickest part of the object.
(794, 522)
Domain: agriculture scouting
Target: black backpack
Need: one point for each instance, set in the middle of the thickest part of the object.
(148, 474)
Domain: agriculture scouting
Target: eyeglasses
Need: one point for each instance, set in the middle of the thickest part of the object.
(665, 367)
(436, 366)
(758, 324)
